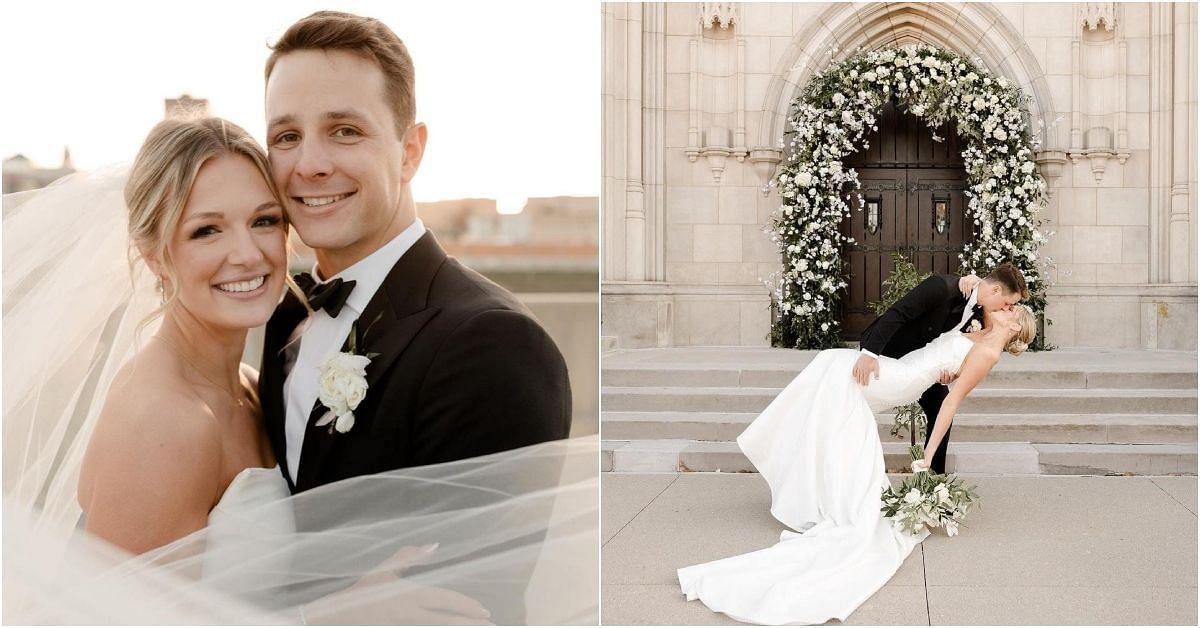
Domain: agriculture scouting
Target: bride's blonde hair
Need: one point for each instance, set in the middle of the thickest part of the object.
(1020, 341)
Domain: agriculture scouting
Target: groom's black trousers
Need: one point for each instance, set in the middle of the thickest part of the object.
(931, 403)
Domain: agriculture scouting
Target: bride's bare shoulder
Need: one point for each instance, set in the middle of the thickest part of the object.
(152, 425)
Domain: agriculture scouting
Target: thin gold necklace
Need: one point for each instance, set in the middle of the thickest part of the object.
(237, 399)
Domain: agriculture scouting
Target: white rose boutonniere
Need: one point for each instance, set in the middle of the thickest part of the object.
(342, 384)
(973, 327)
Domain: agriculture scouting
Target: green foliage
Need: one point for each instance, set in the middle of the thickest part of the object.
(905, 277)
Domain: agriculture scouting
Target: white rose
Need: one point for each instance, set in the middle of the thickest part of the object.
(853, 74)
(342, 381)
(824, 326)
(803, 178)
(978, 104)
(871, 77)
(1002, 82)
(344, 423)
(847, 117)
(1000, 135)
(1026, 167)
(913, 497)
(838, 100)
(999, 170)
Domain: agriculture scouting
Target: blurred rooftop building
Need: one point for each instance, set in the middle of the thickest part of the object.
(21, 174)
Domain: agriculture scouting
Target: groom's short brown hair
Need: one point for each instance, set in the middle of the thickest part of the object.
(366, 36)
(1011, 278)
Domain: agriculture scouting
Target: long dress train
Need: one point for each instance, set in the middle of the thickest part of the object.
(817, 446)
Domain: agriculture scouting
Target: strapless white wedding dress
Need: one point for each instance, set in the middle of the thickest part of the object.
(817, 446)
(253, 507)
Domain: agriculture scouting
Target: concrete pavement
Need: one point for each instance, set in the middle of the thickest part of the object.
(1041, 550)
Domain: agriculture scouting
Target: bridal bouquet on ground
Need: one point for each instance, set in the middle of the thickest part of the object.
(928, 498)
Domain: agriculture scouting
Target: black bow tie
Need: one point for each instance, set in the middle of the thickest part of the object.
(329, 296)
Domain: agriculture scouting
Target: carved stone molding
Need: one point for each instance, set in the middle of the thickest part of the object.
(1094, 14)
(765, 161)
(1098, 150)
(1050, 164)
(717, 149)
(718, 14)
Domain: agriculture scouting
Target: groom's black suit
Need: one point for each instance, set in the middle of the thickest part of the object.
(462, 370)
(932, 308)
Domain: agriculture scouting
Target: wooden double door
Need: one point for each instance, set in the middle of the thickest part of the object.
(913, 202)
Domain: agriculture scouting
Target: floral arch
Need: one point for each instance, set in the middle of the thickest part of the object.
(830, 120)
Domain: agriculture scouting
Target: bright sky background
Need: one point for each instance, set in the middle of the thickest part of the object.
(510, 90)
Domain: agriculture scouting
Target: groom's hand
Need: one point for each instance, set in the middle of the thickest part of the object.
(947, 377)
(967, 284)
(864, 368)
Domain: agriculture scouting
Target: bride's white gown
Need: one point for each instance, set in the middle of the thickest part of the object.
(253, 504)
(817, 446)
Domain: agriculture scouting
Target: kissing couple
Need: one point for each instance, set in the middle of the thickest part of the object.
(402, 456)
(817, 447)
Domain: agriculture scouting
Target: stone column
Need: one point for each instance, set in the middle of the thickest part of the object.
(1161, 138)
(613, 156)
(1183, 148)
(635, 212)
(654, 104)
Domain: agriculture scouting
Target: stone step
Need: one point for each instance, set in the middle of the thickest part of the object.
(780, 377)
(608, 343)
(670, 456)
(981, 401)
(1033, 428)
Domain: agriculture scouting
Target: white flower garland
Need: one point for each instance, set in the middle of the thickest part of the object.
(831, 120)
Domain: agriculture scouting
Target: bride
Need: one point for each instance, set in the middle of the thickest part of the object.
(817, 446)
(154, 444)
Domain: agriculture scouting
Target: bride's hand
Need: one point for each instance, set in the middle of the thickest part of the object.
(967, 284)
(367, 601)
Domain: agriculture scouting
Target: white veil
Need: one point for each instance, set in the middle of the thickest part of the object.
(516, 531)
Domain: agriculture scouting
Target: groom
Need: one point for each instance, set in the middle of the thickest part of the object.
(458, 367)
(932, 308)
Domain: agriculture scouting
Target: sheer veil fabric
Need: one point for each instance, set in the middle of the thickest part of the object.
(516, 531)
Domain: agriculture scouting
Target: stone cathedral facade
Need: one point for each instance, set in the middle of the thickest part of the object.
(696, 97)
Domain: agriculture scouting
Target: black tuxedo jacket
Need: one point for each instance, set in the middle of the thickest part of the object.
(463, 370)
(932, 308)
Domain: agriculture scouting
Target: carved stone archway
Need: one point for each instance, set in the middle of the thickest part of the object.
(972, 30)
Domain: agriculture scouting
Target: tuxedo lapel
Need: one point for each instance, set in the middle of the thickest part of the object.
(392, 319)
(283, 322)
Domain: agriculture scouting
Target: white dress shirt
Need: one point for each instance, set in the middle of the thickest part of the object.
(967, 312)
(324, 335)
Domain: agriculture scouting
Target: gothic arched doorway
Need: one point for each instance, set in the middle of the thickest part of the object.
(912, 190)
